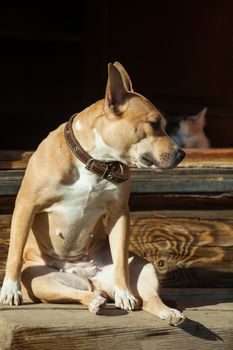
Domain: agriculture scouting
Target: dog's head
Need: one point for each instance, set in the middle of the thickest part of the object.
(134, 126)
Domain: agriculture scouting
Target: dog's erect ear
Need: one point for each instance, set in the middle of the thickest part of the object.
(126, 79)
(116, 93)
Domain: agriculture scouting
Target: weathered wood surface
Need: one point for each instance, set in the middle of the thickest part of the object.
(176, 201)
(51, 326)
(207, 171)
(192, 249)
(5, 221)
(187, 248)
(10, 181)
(152, 201)
(204, 158)
(182, 181)
(210, 157)
(14, 159)
(7, 204)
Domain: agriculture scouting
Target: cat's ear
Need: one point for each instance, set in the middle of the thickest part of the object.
(199, 118)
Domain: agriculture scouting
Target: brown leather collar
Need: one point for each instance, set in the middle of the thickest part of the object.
(113, 171)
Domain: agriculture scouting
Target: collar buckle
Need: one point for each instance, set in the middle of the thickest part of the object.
(109, 168)
(89, 164)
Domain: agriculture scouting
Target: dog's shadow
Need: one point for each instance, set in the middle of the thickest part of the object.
(198, 330)
(113, 311)
(194, 328)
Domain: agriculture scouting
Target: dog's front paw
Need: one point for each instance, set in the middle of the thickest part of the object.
(11, 292)
(125, 300)
(97, 305)
(172, 316)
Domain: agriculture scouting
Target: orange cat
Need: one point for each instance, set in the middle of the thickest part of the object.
(188, 131)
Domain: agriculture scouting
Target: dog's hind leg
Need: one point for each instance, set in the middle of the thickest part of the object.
(145, 284)
(46, 284)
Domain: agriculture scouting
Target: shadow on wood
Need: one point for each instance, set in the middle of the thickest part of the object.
(196, 329)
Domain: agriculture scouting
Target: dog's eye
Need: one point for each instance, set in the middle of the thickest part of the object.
(156, 124)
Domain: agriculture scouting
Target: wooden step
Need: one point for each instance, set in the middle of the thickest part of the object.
(209, 324)
(187, 248)
(195, 158)
(210, 171)
(181, 221)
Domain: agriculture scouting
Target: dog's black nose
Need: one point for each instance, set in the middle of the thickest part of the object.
(180, 154)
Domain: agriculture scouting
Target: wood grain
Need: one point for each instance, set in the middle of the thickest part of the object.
(10, 181)
(205, 171)
(189, 245)
(14, 159)
(7, 204)
(51, 326)
(169, 201)
(158, 201)
(182, 181)
(212, 157)
(188, 249)
(5, 221)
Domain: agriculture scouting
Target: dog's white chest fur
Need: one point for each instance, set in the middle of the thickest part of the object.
(76, 214)
(82, 203)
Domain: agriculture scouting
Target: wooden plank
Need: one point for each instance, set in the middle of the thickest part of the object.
(7, 204)
(153, 201)
(147, 181)
(48, 326)
(5, 221)
(159, 201)
(187, 248)
(182, 298)
(14, 159)
(209, 171)
(210, 157)
(217, 184)
(195, 158)
(198, 214)
(193, 173)
(10, 181)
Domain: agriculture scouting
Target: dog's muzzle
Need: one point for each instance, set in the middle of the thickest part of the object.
(166, 160)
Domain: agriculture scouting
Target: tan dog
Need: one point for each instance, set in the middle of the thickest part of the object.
(58, 237)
